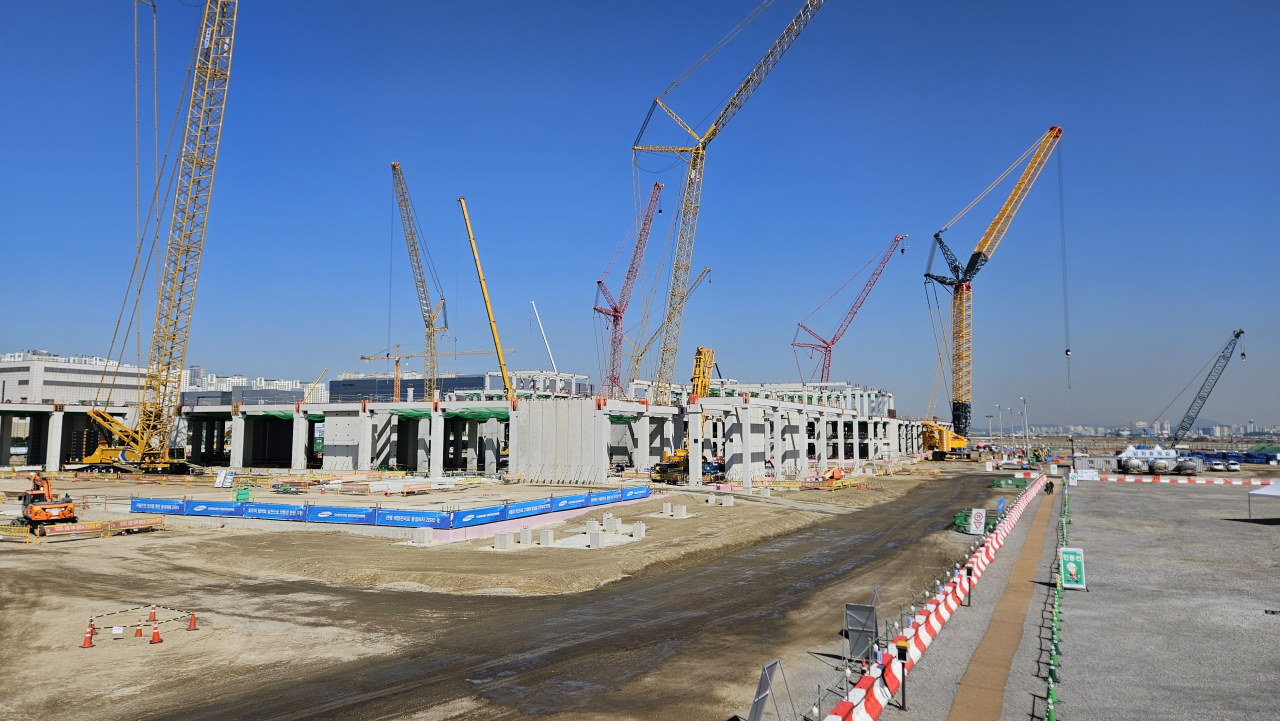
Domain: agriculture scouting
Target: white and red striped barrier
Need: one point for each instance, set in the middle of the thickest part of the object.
(873, 692)
(1191, 479)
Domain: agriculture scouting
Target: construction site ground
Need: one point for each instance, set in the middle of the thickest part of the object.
(331, 625)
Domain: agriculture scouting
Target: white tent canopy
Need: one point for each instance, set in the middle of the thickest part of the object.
(1272, 491)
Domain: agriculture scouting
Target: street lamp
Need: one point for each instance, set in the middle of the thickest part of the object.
(989, 417)
(1026, 435)
(1000, 418)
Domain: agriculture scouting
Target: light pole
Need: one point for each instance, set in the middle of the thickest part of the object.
(989, 417)
(1026, 435)
(1000, 418)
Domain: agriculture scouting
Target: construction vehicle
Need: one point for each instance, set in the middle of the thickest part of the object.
(1219, 365)
(617, 308)
(150, 442)
(824, 346)
(434, 317)
(674, 467)
(40, 507)
(507, 388)
(941, 441)
(961, 281)
(695, 156)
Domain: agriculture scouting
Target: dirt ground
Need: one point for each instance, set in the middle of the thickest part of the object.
(300, 625)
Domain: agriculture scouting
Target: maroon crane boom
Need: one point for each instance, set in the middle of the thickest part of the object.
(616, 309)
(823, 345)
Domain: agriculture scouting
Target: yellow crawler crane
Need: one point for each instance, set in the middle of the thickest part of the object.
(675, 466)
(961, 285)
(147, 443)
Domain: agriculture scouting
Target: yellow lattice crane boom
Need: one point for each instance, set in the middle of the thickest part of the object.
(961, 280)
(691, 194)
(148, 441)
(703, 361)
(431, 314)
(484, 289)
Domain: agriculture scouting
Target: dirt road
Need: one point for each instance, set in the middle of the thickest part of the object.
(683, 644)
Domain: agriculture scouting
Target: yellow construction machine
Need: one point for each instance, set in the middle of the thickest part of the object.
(675, 465)
(942, 441)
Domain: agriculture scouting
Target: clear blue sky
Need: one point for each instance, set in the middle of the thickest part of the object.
(883, 118)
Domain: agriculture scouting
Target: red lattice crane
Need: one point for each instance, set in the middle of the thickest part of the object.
(617, 308)
(823, 345)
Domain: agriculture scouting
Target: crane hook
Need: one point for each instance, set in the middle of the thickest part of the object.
(1068, 352)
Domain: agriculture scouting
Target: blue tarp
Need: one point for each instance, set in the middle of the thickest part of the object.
(275, 511)
(568, 503)
(340, 514)
(155, 505)
(412, 519)
(477, 516)
(597, 499)
(528, 508)
(213, 508)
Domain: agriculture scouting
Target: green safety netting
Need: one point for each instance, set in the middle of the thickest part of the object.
(278, 414)
(1268, 448)
(315, 416)
(622, 419)
(412, 414)
(479, 414)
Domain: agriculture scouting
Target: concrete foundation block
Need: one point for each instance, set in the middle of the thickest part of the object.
(422, 535)
(637, 530)
(726, 500)
(546, 537)
(666, 508)
(764, 492)
(608, 515)
(611, 525)
(679, 511)
(526, 536)
(593, 526)
(504, 541)
(711, 499)
(593, 540)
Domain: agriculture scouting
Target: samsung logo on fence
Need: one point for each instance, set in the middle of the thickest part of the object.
(561, 503)
(468, 518)
(324, 514)
(200, 508)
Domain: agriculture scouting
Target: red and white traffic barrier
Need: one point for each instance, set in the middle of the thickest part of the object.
(878, 686)
(1191, 479)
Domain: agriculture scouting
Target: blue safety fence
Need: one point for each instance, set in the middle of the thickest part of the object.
(385, 516)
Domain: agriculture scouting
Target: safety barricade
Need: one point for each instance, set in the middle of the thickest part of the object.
(15, 533)
(134, 525)
(69, 531)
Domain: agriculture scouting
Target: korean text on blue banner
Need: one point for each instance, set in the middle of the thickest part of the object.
(340, 514)
(155, 505)
(632, 493)
(567, 503)
(213, 508)
(477, 516)
(412, 519)
(603, 497)
(275, 511)
(528, 508)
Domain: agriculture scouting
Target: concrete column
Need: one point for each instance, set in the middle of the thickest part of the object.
(840, 440)
(473, 445)
(641, 457)
(667, 434)
(300, 425)
(820, 443)
(53, 446)
(491, 446)
(422, 445)
(364, 445)
(512, 427)
(436, 468)
(238, 441)
(600, 459)
(695, 448)
(6, 438)
(776, 441)
(744, 442)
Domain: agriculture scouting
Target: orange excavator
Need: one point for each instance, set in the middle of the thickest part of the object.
(41, 507)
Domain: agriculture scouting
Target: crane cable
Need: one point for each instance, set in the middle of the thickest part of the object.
(1062, 226)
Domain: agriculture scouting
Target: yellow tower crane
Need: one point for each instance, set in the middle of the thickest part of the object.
(431, 314)
(695, 156)
(961, 281)
(147, 443)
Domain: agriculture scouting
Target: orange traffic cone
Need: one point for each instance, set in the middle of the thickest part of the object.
(192, 626)
(152, 617)
(155, 633)
(137, 633)
(88, 638)
(92, 628)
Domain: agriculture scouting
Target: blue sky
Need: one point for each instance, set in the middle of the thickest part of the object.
(883, 118)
